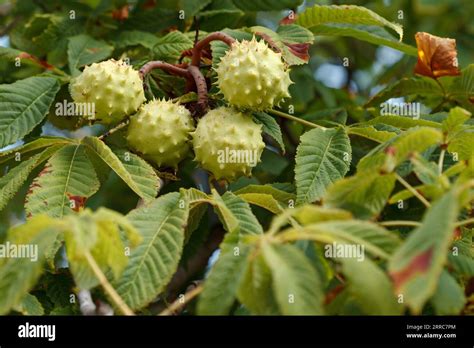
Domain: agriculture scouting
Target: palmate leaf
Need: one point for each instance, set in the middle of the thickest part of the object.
(310, 214)
(255, 291)
(296, 284)
(270, 127)
(461, 87)
(370, 287)
(346, 14)
(371, 133)
(283, 197)
(32, 147)
(323, 156)
(16, 177)
(134, 38)
(417, 265)
(140, 171)
(99, 235)
(414, 140)
(463, 144)
(422, 86)
(221, 285)
(23, 105)
(263, 200)
(153, 263)
(375, 239)
(237, 218)
(266, 5)
(98, 148)
(19, 275)
(170, 46)
(402, 122)
(449, 297)
(372, 34)
(30, 305)
(83, 50)
(67, 180)
(364, 194)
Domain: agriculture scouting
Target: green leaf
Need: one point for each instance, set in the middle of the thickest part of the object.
(462, 264)
(19, 275)
(83, 50)
(456, 117)
(30, 305)
(263, 200)
(323, 156)
(417, 265)
(170, 46)
(255, 291)
(11, 182)
(221, 285)
(375, 239)
(99, 235)
(296, 284)
(293, 33)
(398, 149)
(100, 149)
(371, 133)
(67, 180)
(15, 178)
(346, 14)
(270, 127)
(423, 86)
(192, 7)
(153, 263)
(372, 34)
(266, 5)
(284, 197)
(23, 105)
(402, 122)
(310, 214)
(370, 287)
(134, 38)
(364, 194)
(461, 87)
(141, 172)
(449, 297)
(33, 146)
(463, 145)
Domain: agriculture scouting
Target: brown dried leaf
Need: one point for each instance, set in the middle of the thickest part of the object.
(437, 56)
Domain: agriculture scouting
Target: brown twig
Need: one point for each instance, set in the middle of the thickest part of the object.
(201, 86)
(181, 302)
(157, 64)
(200, 45)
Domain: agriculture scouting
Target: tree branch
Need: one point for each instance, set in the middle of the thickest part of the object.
(201, 86)
(198, 47)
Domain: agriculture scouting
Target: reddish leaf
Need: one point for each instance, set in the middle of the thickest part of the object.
(301, 50)
(437, 56)
(419, 264)
(36, 60)
(290, 19)
(79, 201)
(121, 13)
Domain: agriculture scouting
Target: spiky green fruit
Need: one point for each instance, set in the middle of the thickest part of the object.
(228, 143)
(114, 88)
(160, 131)
(252, 76)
